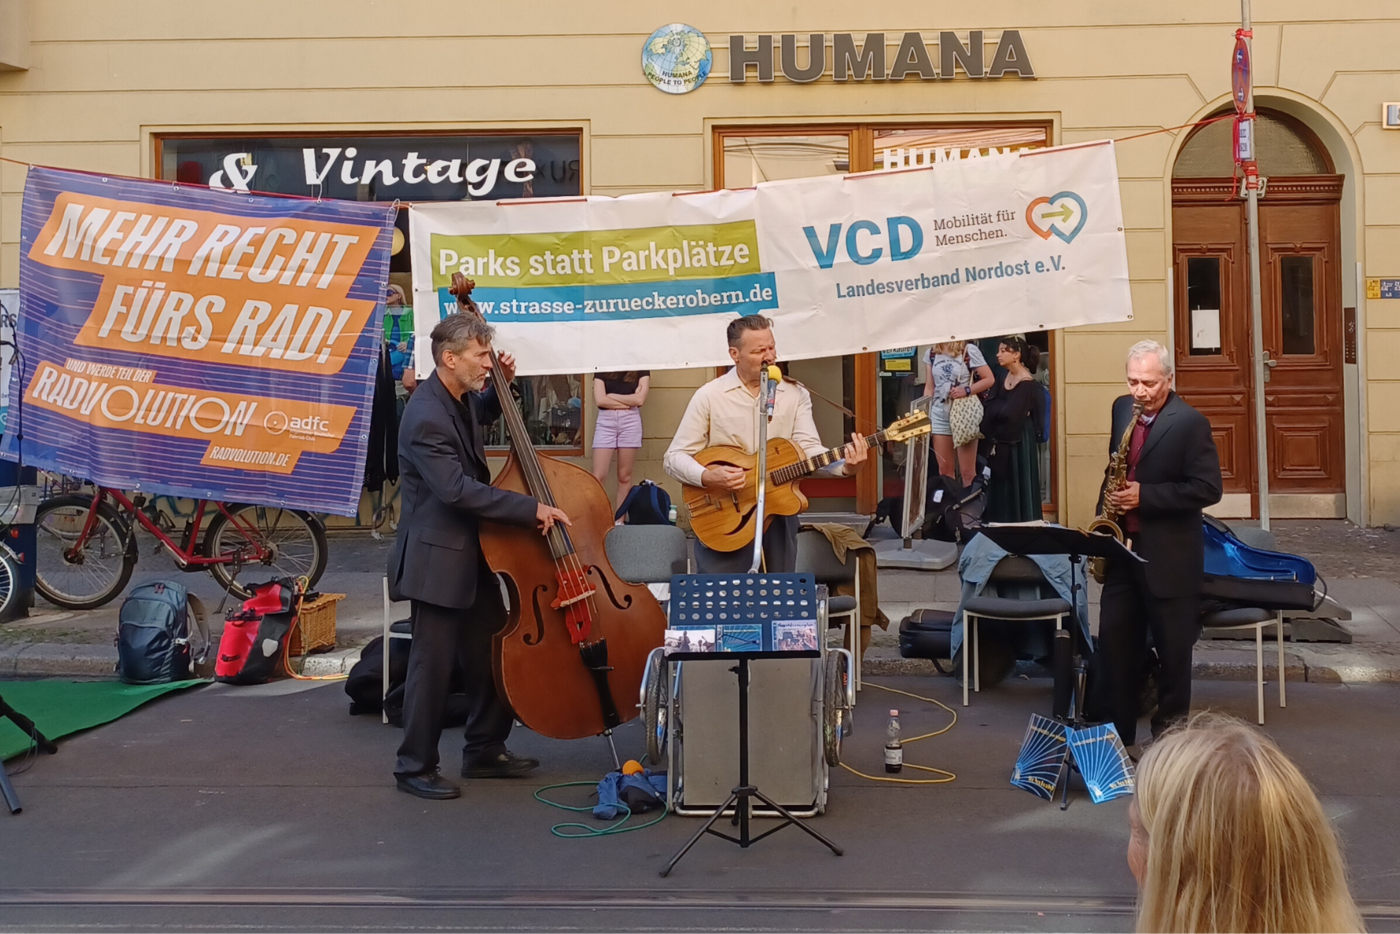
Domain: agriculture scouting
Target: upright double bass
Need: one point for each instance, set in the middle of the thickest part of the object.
(576, 640)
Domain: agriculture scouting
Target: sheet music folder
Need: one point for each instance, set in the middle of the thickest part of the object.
(1045, 538)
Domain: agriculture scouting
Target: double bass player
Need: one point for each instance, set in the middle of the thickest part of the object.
(437, 564)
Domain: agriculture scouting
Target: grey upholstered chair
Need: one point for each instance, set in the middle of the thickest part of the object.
(816, 557)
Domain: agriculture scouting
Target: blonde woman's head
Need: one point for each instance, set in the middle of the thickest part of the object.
(1228, 836)
(950, 348)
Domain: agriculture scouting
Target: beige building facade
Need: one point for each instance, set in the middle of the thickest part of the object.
(161, 89)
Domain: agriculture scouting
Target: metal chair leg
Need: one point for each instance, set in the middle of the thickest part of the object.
(1259, 667)
(977, 655)
(384, 693)
(1282, 697)
(965, 647)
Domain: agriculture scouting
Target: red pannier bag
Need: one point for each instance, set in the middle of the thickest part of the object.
(255, 634)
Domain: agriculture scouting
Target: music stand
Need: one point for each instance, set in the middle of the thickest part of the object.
(719, 599)
(1048, 539)
(45, 744)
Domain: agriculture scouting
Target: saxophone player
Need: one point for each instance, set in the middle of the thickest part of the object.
(1172, 473)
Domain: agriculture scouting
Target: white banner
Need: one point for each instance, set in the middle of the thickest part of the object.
(959, 250)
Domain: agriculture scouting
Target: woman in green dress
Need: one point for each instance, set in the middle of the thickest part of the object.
(1013, 418)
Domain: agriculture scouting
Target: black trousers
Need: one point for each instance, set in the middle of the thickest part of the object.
(1127, 613)
(441, 634)
(779, 552)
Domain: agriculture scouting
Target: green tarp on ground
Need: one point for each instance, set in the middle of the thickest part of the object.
(59, 708)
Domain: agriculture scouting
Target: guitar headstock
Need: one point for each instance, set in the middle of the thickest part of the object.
(910, 426)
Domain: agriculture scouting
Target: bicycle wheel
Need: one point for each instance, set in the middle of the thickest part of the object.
(9, 579)
(94, 574)
(293, 544)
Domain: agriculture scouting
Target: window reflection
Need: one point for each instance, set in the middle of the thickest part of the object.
(749, 160)
(1203, 304)
(553, 410)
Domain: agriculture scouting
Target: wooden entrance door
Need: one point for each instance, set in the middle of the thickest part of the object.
(1212, 329)
(1299, 228)
(1300, 274)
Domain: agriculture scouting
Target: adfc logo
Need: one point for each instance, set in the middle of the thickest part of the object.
(1061, 214)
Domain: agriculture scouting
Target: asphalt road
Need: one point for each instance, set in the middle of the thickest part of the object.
(270, 808)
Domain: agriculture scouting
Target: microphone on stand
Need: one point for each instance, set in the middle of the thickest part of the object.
(772, 376)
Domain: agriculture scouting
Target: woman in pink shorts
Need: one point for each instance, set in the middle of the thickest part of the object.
(619, 397)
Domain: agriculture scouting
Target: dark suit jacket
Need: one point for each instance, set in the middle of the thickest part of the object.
(1179, 474)
(444, 492)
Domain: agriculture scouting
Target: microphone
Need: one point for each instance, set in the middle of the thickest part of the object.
(772, 376)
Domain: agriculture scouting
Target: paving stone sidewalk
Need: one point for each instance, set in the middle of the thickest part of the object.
(1361, 567)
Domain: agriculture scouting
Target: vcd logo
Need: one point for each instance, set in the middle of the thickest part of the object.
(865, 242)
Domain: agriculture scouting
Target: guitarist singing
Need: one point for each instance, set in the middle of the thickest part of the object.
(726, 411)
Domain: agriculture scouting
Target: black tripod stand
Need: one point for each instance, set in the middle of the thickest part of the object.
(741, 795)
(44, 743)
(1069, 703)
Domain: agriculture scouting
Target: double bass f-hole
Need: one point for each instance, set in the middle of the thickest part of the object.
(624, 603)
(538, 637)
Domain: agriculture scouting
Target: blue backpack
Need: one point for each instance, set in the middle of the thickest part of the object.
(646, 504)
(153, 634)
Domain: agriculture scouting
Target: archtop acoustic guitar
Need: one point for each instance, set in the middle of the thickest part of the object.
(724, 519)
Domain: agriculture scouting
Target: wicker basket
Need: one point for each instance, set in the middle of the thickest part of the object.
(315, 628)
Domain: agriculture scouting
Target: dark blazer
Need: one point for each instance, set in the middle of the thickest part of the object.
(444, 492)
(1179, 475)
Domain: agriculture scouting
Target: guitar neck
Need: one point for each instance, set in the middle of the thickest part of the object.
(812, 464)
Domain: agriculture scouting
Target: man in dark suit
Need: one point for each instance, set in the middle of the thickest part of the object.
(1173, 473)
(436, 562)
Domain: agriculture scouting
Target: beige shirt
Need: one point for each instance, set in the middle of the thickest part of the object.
(724, 411)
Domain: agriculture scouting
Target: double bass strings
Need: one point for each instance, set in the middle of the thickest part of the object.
(559, 541)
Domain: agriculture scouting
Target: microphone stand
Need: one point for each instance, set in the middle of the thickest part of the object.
(7, 791)
(765, 388)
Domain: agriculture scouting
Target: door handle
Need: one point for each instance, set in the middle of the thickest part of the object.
(1269, 364)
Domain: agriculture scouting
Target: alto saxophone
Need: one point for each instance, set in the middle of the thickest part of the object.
(1106, 522)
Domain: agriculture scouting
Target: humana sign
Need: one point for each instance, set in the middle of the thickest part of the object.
(870, 62)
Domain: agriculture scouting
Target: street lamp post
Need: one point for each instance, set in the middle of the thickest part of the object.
(1246, 158)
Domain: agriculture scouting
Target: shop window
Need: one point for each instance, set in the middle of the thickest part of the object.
(909, 147)
(750, 159)
(409, 167)
(747, 159)
(745, 156)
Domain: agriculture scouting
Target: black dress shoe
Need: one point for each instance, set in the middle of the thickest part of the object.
(505, 764)
(429, 785)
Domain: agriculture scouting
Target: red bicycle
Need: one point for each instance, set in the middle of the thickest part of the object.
(87, 548)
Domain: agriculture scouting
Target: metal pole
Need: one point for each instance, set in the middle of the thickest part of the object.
(762, 477)
(1256, 302)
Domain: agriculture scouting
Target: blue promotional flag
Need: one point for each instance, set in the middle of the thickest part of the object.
(1102, 760)
(1098, 754)
(1042, 753)
(198, 343)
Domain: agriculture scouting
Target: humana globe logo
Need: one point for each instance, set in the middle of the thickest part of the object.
(677, 58)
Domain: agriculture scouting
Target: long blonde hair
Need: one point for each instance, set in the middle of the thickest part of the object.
(1237, 840)
(952, 349)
